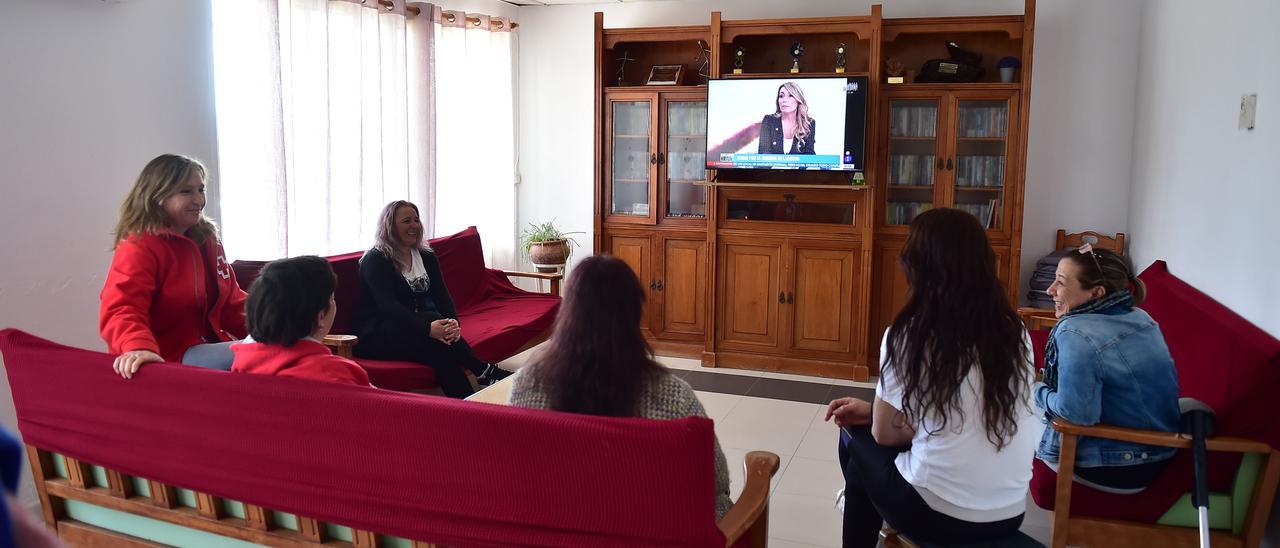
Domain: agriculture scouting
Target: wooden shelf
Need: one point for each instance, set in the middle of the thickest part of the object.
(655, 89)
(985, 139)
(629, 136)
(912, 138)
(632, 181)
(784, 186)
(975, 86)
(979, 188)
(748, 75)
(910, 187)
(687, 136)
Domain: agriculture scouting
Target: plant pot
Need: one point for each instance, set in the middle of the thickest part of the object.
(549, 255)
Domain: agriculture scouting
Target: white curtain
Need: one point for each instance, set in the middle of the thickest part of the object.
(327, 110)
(475, 161)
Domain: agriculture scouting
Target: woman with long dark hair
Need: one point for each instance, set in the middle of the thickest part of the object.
(404, 311)
(944, 453)
(598, 362)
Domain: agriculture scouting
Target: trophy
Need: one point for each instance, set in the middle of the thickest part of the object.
(840, 58)
(622, 68)
(894, 69)
(738, 55)
(797, 49)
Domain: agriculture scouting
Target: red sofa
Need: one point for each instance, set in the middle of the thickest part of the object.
(498, 319)
(354, 463)
(1222, 360)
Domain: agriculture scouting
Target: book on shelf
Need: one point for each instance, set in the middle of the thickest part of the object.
(911, 169)
(983, 121)
(901, 213)
(980, 171)
(913, 121)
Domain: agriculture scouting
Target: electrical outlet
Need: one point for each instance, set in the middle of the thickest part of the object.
(1248, 108)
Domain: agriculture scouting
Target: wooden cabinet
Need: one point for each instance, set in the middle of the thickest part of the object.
(797, 271)
(795, 297)
(672, 268)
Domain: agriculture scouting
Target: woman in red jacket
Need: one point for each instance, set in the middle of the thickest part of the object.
(170, 294)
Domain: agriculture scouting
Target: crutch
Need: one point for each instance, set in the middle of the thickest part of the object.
(1197, 420)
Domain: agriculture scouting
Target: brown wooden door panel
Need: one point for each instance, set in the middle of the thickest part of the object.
(683, 289)
(637, 253)
(822, 298)
(889, 295)
(750, 285)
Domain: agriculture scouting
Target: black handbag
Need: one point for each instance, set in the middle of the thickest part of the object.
(962, 66)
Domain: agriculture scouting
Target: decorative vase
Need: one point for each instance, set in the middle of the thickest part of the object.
(548, 256)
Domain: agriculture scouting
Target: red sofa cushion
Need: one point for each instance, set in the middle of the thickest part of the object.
(497, 317)
(1222, 360)
(432, 469)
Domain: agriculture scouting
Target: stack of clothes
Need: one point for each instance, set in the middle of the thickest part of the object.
(1042, 278)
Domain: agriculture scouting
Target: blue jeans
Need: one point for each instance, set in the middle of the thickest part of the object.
(210, 355)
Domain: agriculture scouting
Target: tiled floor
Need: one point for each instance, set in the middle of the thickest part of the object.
(783, 414)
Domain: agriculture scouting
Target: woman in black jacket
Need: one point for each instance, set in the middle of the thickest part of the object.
(405, 312)
(789, 130)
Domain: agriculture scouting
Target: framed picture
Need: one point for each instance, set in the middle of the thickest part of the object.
(665, 75)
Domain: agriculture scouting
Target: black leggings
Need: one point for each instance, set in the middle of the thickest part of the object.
(875, 492)
(448, 360)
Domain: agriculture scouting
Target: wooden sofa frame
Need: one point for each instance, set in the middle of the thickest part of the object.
(1090, 531)
(748, 519)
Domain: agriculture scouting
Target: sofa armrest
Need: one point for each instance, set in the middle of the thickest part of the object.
(749, 516)
(341, 345)
(554, 277)
(1037, 318)
(1162, 439)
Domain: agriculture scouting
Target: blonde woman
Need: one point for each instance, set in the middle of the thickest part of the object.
(170, 294)
(789, 130)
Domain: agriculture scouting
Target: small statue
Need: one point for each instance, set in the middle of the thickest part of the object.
(703, 59)
(622, 69)
(797, 49)
(840, 58)
(738, 55)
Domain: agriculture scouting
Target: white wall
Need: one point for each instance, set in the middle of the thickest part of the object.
(1081, 110)
(1204, 192)
(90, 91)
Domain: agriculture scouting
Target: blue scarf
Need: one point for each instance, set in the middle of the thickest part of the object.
(1120, 300)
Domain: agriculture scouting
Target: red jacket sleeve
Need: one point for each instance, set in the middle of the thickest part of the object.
(123, 316)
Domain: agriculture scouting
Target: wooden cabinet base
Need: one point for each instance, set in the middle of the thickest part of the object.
(677, 349)
(788, 365)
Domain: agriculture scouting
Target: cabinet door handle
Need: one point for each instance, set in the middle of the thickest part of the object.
(940, 164)
(653, 158)
(662, 159)
(659, 282)
(790, 298)
(782, 298)
(653, 286)
(949, 164)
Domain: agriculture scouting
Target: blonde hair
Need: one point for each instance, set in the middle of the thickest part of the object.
(142, 212)
(385, 237)
(803, 122)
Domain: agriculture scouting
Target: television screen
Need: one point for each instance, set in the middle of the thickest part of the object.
(787, 123)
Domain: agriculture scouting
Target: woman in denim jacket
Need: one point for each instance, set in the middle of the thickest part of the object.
(1106, 363)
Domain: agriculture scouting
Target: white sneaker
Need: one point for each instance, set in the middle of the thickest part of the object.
(840, 500)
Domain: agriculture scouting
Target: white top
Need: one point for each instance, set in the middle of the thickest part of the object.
(416, 276)
(957, 471)
(786, 145)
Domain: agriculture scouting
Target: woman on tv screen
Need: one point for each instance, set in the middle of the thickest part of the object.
(789, 130)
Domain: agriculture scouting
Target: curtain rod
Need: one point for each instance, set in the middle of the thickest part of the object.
(414, 11)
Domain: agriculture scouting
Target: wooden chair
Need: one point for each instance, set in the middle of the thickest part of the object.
(1043, 318)
(1089, 531)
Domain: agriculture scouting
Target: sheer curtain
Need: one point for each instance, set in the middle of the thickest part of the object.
(328, 109)
(476, 140)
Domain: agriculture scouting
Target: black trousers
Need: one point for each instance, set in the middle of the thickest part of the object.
(875, 492)
(448, 360)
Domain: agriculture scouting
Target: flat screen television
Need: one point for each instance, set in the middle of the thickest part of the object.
(787, 123)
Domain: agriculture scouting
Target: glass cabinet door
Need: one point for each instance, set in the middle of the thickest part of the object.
(631, 158)
(981, 152)
(685, 163)
(913, 158)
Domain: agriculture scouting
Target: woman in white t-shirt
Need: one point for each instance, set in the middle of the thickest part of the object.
(944, 453)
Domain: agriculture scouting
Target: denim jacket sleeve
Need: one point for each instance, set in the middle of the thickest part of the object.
(1079, 394)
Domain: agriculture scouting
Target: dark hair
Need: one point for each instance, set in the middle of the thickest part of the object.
(286, 298)
(1111, 270)
(598, 362)
(957, 317)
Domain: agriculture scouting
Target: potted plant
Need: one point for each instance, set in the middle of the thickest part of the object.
(546, 246)
(1007, 66)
